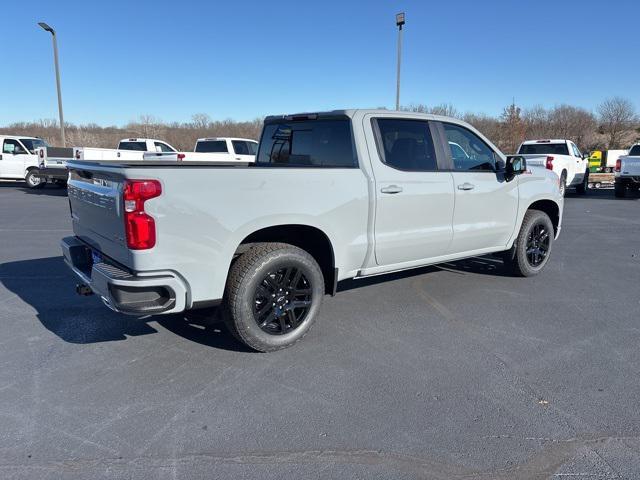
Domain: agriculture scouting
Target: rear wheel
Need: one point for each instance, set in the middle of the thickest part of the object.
(33, 181)
(619, 190)
(273, 296)
(531, 250)
(582, 188)
(563, 183)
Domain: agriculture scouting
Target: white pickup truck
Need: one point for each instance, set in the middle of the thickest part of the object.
(218, 149)
(52, 164)
(562, 157)
(331, 196)
(627, 172)
(19, 159)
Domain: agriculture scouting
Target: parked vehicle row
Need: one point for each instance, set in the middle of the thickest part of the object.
(562, 157)
(331, 196)
(627, 172)
(218, 149)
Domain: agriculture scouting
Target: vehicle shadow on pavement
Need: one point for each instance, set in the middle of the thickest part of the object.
(50, 190)
(47, 285)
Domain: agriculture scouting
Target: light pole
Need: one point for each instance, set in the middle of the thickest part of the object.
(55, 60)
(399, 23)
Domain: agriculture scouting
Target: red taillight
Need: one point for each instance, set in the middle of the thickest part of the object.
(618, 165)
(140, 228)
(549, 164)
(181, 157)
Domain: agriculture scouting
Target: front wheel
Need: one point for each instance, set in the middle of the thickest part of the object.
(531, 250)
(33, 181)
(273, 295)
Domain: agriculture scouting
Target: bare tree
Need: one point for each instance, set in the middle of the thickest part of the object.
(617, 118)
(445, 109)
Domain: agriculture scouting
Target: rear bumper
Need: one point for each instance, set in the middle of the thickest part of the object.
(52, 173)
(631, 180)
(148, 293)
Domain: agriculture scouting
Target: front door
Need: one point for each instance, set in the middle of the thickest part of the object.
(12, 161)
(414, 200)
(486, 205)
(245, 151)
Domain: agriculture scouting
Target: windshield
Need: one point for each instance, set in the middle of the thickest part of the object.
(544, 149)
(635, 151)
(33, 143)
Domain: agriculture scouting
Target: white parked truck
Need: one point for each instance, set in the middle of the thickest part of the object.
(627, 172)
(52, 165)
(562, 157)
(332, 196)
(218, 149)
(19, 159)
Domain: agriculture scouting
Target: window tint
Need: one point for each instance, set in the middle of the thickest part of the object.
(320, 143)
(163, 147)
(33, 143)
(212, 146)
(635, 151)
(253, 147)
(137, 146)
(407, 144)
(576, 152)
(242, 148)
(544, 149)
(468, 151)
(12, 146)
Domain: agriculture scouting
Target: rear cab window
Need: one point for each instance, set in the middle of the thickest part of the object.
(212, 146)
(635, 151)
(544, 149)
(325, 142)
(136, 146)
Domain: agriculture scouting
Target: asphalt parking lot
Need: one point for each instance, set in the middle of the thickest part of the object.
(441, 373)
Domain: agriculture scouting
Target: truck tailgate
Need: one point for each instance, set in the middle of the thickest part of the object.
(95, 199)
(630, 166)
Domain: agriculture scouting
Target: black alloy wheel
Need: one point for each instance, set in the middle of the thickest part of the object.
(282, 300)
(538, 243)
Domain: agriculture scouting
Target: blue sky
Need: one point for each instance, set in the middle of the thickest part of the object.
(245, 59)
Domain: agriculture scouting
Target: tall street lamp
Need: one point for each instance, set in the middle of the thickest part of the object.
(399, 23)
(55, 59)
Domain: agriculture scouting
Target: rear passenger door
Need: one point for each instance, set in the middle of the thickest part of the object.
(414, 199)
(486, 205)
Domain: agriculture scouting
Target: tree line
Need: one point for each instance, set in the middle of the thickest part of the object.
(615, 124)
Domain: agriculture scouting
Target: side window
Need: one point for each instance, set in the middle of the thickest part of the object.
(406, 144)
(253, 148)
(240, 147)
(317, 143)
(12, 146)
(163, 147)
(468, 151)
(576, 152)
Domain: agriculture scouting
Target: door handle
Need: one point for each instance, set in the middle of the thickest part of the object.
(391, 189)
(466, 186)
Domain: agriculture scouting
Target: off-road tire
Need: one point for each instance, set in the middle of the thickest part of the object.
(619, 190)
(247, 273)
(563, 183)
(515, 259)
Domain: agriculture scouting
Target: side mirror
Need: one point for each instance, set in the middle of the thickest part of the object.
(516, 165)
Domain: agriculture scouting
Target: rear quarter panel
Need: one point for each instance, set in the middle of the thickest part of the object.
(203, 215)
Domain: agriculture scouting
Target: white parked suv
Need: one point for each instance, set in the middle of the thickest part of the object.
(562, 157)
(19, 160)
(331, 196)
